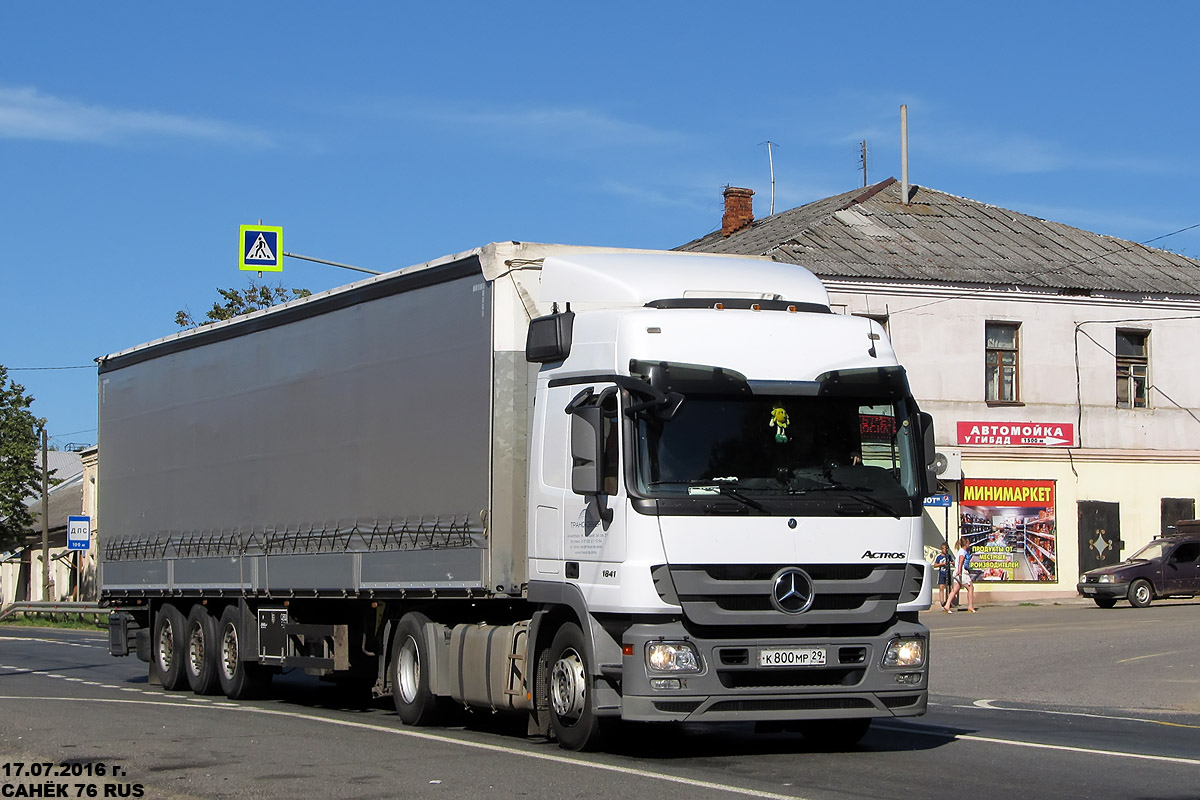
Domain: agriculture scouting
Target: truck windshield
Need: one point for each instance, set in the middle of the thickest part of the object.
(762, 446)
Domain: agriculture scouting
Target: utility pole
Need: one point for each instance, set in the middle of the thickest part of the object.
(863, 159)
(45, 521)
(771, 161)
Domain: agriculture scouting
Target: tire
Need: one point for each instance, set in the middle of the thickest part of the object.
(167, 647)
(569, 688)
(834, 734)
(1105, 602)
(1141, 593)
(415, 703)
(239, 679)
(200, 651)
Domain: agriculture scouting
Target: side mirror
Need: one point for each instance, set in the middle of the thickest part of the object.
(930, 448)
(586, 446)
(549, 338)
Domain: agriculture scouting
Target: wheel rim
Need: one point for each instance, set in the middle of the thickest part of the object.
(408, 669)
(229, 651)
(166, 647)
(568, 686)
(196, 649)
(1142, 592)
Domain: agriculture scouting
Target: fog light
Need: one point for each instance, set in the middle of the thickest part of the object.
(665, 683)
(672, 657)
(909, 678)
(904, 653)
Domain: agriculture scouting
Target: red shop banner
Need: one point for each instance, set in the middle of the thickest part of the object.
(1010, 527)
(1024, 434)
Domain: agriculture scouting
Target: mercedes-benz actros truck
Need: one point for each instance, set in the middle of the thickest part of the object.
(583, 484)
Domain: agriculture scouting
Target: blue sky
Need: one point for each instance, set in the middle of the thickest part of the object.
(136, 137)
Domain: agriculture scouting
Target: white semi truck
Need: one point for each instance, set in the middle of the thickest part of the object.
(582, 484)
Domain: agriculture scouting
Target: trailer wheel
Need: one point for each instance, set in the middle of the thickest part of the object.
(200, 651)
(239, 679)
(415, 703)
(569, 687)
(168, 647)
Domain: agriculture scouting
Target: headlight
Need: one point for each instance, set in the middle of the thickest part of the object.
(1104, 579)
(904, 653)
(672, 657)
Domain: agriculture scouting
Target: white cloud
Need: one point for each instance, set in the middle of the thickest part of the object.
(26, 113)
(572, 128)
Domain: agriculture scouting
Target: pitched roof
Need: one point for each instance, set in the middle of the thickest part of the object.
(938, 237)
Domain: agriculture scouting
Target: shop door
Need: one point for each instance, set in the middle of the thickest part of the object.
(1099, 534)
(1175, 509)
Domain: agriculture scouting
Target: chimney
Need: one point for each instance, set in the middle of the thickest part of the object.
(739, 210)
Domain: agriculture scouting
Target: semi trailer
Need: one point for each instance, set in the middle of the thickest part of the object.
(582, 484)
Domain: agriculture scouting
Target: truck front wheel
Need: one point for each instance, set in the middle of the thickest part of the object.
(569, 687)
(415, 703)
(168, 647)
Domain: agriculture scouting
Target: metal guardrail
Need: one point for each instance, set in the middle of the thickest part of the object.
(51, 607)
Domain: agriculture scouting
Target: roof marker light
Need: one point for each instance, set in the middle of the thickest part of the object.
(791, 309)
(755, 307)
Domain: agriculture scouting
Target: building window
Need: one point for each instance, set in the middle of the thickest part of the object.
(1001, 362)
(1133, 364)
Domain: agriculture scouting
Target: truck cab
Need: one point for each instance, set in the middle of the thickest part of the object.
(726, 485)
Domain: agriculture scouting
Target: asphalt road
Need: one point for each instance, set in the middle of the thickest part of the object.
(1047, 701)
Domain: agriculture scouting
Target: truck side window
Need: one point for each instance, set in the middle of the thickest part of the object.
(611, 458)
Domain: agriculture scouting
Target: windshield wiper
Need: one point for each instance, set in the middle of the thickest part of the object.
(728, 490)
(720, 486)
(857, 492)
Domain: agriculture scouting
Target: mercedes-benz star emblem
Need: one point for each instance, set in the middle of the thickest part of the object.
(792, 592)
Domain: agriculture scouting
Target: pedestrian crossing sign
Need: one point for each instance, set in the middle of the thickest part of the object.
(261, 248)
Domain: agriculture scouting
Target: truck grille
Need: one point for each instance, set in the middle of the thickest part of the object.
(740, 594)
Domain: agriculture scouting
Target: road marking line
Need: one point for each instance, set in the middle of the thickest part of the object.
(1152, 655)
(987, 705)
(563, 759)
(1066, 748)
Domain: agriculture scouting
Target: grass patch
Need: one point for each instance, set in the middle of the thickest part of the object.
(82, 622)
(1027, 604)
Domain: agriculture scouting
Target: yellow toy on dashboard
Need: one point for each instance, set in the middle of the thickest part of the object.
(780, 421)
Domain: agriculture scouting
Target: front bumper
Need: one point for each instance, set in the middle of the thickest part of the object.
(1115, 591)
(732, 687)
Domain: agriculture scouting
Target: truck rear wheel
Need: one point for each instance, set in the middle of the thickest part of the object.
(200, 651)
(569, 687)
(239, 679)
(168, 647)
(415, 703)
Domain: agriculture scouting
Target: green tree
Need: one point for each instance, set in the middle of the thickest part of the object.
(254, 297)
(20, 473)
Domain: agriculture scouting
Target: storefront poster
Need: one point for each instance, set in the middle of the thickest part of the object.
(1010, 525)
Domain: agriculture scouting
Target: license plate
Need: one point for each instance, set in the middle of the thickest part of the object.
(1088, 590)
(792, 657)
